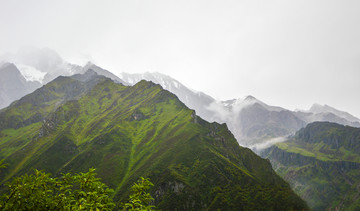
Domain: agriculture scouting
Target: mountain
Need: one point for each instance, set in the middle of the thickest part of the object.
(254, 122)
(326, 113)
(322, 164)
(44, 65)
(198, 101)
(103, 72)
(44, 60)
(13, 85)
(74, 123)
(30, 69)
(249, 119)
(33, 67)
(316, 108)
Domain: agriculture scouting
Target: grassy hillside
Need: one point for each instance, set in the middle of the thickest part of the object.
(143, 130)
(322, 164)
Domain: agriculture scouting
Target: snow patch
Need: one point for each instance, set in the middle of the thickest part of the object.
(31, 73)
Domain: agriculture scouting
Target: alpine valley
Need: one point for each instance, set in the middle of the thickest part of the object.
(63, 117)
(125, 132)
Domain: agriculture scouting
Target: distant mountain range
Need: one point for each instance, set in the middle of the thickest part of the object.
(322, 164)
(85, 120)
(254, 123)
(31, 68)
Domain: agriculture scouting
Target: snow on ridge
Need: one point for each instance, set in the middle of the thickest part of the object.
(31, 73)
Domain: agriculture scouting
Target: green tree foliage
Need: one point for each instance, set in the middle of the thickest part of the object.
(139, 199)
(81, 191)
(2, 164)
(39, 191)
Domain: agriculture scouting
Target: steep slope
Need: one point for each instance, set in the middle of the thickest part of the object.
(322, 164)
(143, 130)
(198, 101)
(35, 107)
(254, 122)
(13, 85)
(251, 120)
(101, 71)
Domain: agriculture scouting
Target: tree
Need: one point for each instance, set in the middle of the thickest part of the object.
(39, 191)
(2, 164)
(139, 199)
(83, 191)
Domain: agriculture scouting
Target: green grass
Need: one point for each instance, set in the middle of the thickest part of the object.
(320, 151)
(322, 164)
(128, 132)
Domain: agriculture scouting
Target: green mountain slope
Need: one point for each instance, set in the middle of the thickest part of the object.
(322, 164)
(128, 132)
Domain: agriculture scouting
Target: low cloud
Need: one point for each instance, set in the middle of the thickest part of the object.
(267, 143)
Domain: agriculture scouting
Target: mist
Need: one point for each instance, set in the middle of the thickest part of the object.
(266, 144)
(287, 53)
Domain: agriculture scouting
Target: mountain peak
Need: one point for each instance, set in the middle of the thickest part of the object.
(317, 109)
(89, 64)
(100, 71)
(250, 98)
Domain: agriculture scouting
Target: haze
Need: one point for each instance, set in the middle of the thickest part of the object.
(286, 53)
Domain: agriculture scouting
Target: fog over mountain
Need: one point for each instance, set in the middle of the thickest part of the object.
(193, 99)
(13, 85)
(286, 53)
(254, 123)
(40, 64)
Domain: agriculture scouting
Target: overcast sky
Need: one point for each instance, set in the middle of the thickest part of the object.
(286, 53)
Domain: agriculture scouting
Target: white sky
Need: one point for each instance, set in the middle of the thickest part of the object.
(286, 53)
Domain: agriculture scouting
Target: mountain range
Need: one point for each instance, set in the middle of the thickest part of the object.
(64, 117)
(76, 122)
(254, 123)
